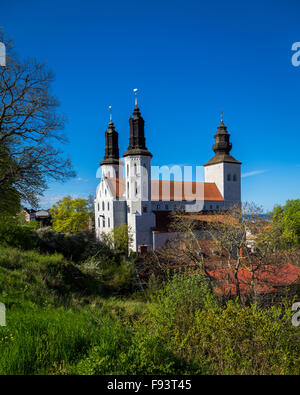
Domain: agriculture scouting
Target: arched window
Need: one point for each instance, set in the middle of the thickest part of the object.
(135, 188)
(105, 192)
(234, 177)
(127, 190)
(108, 222)
(98, 207)
(127, 170)
(107, 206)
(103, 208)
(134, 167)
(228, 177)
(103, 222)
(98, 222)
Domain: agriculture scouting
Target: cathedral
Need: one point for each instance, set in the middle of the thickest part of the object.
(127, 195)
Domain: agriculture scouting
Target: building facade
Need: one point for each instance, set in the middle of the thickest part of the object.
(126, 193)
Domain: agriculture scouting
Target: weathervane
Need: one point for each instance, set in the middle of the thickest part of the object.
(110, 113)
(135, 92)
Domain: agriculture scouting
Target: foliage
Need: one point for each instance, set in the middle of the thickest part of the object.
(44, 341)
(246, 340)
(76, 246)
(16, 235)
(119, 239)
(70, 215)
(285, 226)
(42, 280)
(58, 323)
(117, 274)
(232, 339)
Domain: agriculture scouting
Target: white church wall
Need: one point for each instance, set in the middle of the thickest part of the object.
(215, 173)
(232, 183)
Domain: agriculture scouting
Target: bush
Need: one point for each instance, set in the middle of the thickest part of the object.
(76, 246)
(185, 317)
(117, 273)
(247, 340)
(16, 235)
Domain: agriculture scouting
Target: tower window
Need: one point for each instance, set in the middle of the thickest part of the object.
(136, 188)
(98, 207)
(103, 222)
(103, 208)
(98, 222)
(108, 206)
(108, 222)
(234, 177)
(127, 170)
(127, 190)
(228, 177)
(134, 166)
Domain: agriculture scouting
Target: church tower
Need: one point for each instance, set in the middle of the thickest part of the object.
(111, 165)
(138, 183)
(223, 169)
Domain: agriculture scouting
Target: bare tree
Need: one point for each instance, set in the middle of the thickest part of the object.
(229, 248)
(31, 130)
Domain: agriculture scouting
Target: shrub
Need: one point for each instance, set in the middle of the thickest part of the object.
(76, 246)
(16, 235)
(247, 340)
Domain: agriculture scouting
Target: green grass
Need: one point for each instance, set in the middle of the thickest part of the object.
(39, 341)
(64, 318)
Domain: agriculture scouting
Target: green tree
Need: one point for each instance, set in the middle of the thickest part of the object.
(70, 215)
(119, 239)
(285, 226)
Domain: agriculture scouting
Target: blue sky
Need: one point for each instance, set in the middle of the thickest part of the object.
(189, 59)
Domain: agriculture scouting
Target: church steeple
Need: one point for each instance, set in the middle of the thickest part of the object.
(111, 156)
(222, 146)
(137, 141)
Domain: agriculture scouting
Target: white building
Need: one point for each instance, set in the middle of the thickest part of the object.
(143, 204)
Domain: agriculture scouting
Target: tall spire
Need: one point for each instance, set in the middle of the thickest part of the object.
(222, 146)
(137, 141)
(111, 156)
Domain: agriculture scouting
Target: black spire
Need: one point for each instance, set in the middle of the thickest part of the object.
(137, 142)
(111, 146)
(222, 146)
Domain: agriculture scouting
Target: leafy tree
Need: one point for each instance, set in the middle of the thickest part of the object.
(31, 130)
(70, 215)
(285, 227)
(119, 239)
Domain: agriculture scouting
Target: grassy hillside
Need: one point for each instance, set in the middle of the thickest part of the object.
(87, 318)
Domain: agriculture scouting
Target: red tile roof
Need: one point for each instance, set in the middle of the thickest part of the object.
(162, 190)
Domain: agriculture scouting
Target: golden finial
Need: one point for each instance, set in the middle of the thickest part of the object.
(110, 113)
